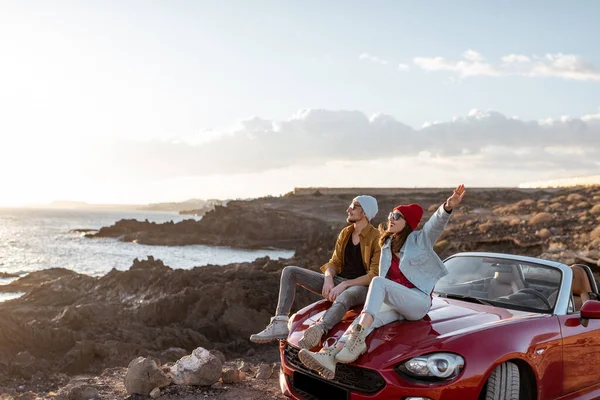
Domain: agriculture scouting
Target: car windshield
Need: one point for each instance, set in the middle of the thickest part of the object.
(500, 282)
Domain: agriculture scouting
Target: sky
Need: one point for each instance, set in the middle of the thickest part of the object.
(151, 101)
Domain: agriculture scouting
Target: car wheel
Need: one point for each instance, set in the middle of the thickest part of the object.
(504, 383)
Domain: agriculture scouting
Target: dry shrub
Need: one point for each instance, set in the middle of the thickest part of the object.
(584, 213)
(541, 218)
(574, 197)
(582, 204)
(485, 227)
(433, 207)
(514, 208)
(544, 233)
(500, 210)
(441, 245)
(559, 199)
(595, 234)
(595, 210)
(514, 221)
(571, 207)
(524, 203)
(556, 206)
(557, 247)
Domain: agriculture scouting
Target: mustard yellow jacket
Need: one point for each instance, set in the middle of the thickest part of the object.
(369, 249)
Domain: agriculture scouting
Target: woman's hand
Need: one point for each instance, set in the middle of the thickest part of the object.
(456, 198)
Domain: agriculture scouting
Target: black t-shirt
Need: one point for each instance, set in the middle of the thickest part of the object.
(353, 266)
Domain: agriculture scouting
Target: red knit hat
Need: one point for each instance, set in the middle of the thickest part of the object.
(412, 213)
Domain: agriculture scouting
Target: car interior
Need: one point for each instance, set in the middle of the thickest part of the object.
(583, 287)
(529, 287)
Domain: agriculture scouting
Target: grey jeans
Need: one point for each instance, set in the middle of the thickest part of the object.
(313, 281)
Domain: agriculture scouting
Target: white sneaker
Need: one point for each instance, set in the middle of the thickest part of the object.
(354, 346)
(312, 337)
(276, 330)
(322, 361)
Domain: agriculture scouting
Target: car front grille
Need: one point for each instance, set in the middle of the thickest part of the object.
(311, 388)
(348, 376)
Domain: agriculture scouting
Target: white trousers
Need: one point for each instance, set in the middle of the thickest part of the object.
(388, 301)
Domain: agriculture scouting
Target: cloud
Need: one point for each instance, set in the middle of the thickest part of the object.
(563, 66)
(473, 64)
(368, 57)
(373, 59)
(515, 58)
(312, 138)
(403, 67)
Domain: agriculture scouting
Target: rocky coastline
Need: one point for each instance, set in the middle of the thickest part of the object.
(69, 326)
(560, 224)
(237, 225)
(69, 323)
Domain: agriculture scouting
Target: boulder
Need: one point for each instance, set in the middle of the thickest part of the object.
(200, 368)
(218, 354)
(233, 376)
(264, 371)
(143, 375)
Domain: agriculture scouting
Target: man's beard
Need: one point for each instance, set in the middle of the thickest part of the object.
(350, 220)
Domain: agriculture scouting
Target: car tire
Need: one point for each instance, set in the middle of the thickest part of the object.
(504, 383)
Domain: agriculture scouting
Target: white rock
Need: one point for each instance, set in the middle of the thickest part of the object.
(200, 368)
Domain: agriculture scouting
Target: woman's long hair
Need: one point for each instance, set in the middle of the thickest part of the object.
(398, 238)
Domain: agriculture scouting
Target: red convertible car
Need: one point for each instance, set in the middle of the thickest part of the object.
(500, 327)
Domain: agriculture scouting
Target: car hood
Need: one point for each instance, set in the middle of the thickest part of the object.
(445, 319)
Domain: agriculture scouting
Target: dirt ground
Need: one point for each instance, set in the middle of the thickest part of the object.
(110, 386)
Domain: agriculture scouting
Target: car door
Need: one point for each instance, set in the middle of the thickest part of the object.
(581, 352)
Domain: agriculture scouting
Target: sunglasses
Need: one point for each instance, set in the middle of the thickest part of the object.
(396, 215)
(354, 205)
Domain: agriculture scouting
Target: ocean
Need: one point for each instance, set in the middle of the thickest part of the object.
(35, 239)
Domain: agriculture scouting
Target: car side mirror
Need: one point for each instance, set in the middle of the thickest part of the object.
(590, 310)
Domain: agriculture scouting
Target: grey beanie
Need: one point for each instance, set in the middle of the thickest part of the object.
(368, 204)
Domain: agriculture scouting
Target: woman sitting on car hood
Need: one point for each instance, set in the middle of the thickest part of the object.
(408, 272)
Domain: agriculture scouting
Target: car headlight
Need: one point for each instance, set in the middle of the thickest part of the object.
(432, 366)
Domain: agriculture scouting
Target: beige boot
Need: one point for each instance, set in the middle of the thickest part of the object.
(322, 361)
(276, 330)
(354, 346)
(312, 337)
